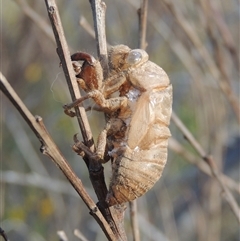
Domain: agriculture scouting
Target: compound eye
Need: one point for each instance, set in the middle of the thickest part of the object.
(134, 57)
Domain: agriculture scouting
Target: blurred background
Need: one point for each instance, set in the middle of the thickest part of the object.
(197, 44)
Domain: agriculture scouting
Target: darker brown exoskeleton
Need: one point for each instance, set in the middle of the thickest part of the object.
(136, 134)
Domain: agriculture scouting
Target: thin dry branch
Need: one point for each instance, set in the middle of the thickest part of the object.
(209, 160)
(99, 11)
(142, 16)
(134, 220)
(95, 167)
(115, 214)
(64, 55)
(50, 149)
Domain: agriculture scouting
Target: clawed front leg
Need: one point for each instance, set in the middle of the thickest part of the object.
(67, 107)
(76, 102)
(108, 105)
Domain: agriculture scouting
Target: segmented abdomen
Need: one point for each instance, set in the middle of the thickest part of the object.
(136, 172)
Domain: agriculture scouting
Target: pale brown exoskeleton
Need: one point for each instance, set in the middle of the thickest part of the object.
(136, 134)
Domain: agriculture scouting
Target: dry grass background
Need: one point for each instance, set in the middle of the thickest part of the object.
(197, 43)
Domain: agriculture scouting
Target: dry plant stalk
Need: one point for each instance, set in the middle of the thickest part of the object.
(115, 214)
(50, 149)
(95, 168)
